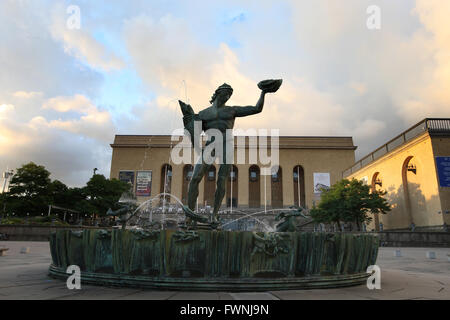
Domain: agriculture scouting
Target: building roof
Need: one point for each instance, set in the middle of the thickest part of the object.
(285, 142)
(432, 126)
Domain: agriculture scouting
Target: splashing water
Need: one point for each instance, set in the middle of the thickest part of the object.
(149, 214)
(155, 213)
(250, 215)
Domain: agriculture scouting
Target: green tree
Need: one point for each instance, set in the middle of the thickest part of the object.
(59, 193)
(29, 190)
(349, 201)
(70, 198)
(3, 197)
(77, 199)
(102, 193)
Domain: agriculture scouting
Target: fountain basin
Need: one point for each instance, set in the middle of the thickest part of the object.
(214, 260)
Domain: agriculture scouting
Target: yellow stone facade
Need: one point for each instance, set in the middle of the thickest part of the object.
(314, 154)
(406, 169)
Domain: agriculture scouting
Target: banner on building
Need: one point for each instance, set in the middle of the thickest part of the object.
(321, 181)
(143, 183)
(443, 169)
(127, 176)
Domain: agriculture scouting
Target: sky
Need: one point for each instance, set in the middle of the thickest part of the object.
(65, 92)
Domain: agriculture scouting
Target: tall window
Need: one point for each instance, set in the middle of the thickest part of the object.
(277, 187)
(232, 187)
(299, 186)
(254, 188)
(210, 186)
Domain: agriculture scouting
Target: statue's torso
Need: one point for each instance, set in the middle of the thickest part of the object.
(217, 118)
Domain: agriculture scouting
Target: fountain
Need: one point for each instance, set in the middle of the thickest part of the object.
(176, 247)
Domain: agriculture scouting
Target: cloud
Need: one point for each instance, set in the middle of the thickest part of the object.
(32, 61)
(93, 123)
(167, 62)
(396, 76)
(66, 147)
(360, 88)
(166, 54)
(78, 103)
(27, 95)
(369, 128)
(5, 109)
(430, 95)
(81, 44)
(10, 136)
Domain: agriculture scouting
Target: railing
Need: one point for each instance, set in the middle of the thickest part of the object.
(434, 126)
(438, 126)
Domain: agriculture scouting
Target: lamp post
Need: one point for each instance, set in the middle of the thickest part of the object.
(6, 176)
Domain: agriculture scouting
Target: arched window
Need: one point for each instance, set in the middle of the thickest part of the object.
(277, 187)
(187, 176)
(299, 186)
(254, 187)
(232, 183)
(210, 186)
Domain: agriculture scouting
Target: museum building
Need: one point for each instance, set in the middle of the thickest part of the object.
(414, 170)
(305, 165)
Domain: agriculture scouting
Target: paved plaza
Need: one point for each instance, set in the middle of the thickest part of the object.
(411, 276)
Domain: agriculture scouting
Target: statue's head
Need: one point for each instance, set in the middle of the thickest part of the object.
(222, 94)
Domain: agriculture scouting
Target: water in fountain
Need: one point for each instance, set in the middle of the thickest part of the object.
(156, 213)
(250, 223)
(127, 197)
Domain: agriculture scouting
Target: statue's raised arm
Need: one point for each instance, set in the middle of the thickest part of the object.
(266, 86)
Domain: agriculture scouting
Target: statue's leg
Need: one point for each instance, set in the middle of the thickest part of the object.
(222, 178)
(199, 171)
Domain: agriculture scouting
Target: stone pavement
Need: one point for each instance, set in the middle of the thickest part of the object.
(412, 276)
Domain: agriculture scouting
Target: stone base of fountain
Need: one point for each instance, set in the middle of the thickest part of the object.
(214, 260)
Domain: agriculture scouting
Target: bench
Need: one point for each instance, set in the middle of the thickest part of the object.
(2, 251)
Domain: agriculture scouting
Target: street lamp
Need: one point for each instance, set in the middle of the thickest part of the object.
(6, 175)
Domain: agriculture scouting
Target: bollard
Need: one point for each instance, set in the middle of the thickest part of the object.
(25, 250)
(431, 255)
(397, 253)
(3, 251)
